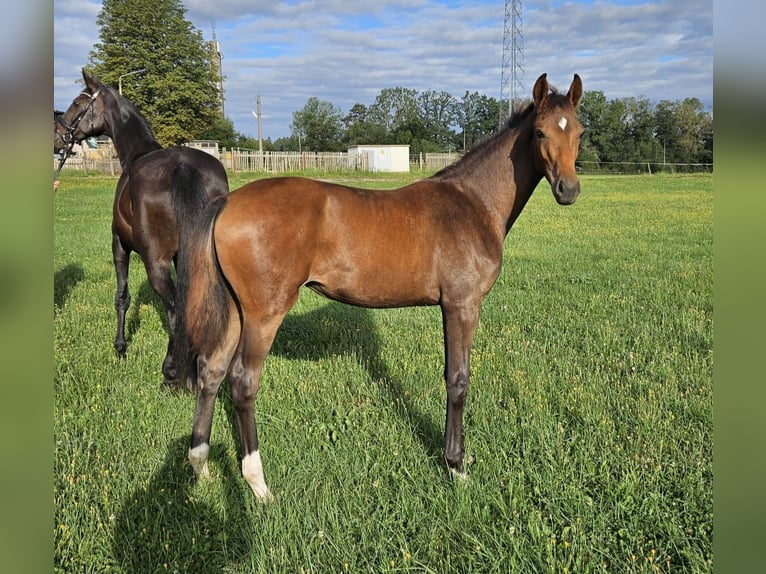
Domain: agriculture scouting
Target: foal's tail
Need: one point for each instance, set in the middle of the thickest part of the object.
(202, 296)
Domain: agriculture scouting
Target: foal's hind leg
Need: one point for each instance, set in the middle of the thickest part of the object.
(244, 376)
(158, 273)
(121, 258)
(211, 369)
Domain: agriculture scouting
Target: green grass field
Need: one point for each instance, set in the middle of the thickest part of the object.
(589, 417)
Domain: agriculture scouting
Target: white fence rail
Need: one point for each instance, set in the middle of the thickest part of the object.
(287, 161)
(244, 160)
(239, 160)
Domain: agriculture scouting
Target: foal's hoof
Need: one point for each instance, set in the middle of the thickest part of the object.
(263, 495)
(460, 476)
(174, 387)
(458, 472)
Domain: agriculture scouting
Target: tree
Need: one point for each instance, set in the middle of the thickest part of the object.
(437, 113)
(605, 128)
(590, 112)
(360, 129)
(477, 115)
(222, 130)
(640, 129)
(624, 131)
(177, 92)
(289, 143)
(396, 110)
(684, 131)
(706, 136)
(319, 125)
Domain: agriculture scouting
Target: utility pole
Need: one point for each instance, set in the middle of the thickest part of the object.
(260, 127)
(257, 114)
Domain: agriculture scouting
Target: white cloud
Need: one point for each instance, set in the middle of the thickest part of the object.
(346, 51)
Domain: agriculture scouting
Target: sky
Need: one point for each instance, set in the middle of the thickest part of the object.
(347, 51)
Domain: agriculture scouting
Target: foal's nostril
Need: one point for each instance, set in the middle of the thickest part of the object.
(566, 191)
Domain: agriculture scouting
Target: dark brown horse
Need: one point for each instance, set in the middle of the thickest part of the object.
(144, 215)
(438, 241)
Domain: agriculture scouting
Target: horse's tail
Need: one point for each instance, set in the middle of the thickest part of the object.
(202, 302)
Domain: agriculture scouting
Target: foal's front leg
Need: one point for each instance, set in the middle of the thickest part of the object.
(121, 258)
(459, 327)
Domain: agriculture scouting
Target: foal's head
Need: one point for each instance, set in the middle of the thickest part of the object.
(83, 118)
(556, 138)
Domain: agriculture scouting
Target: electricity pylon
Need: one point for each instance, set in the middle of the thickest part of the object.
(512, 72)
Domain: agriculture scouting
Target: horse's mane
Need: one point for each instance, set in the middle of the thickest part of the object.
(126, 108)
(516, 120)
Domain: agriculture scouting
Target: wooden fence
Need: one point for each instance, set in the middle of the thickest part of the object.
(289, 161)
(433, 161)
(87, 164)
(635, 167)
(246, 160)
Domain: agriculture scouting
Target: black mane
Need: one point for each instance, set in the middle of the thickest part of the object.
(138, 122)
(516, 120)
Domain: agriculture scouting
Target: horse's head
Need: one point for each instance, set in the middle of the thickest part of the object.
(556, 137)
(84, 117)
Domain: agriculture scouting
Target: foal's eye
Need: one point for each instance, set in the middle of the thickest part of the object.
(539, 134)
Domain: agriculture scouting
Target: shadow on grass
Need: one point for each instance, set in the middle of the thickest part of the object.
(165, 526)
(145, 296)
(64, 281)
(336, 330)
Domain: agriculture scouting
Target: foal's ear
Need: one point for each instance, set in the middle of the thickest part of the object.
(540, 91)
(575, 91)
(90, 81)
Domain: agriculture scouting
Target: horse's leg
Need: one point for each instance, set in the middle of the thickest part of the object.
(459, 327)
(211, 369)
(121, 258)
(158, 273)
(244, 376)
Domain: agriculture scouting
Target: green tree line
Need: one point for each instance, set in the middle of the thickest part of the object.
(177, 91)
(619, 130)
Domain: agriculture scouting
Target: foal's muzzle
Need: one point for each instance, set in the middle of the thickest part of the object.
(566, 190)
(58, 141)
(63, 137)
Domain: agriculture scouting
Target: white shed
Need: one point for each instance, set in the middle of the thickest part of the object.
(209, 146)
(382, 157)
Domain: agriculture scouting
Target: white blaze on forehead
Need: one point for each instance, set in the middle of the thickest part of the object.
(563, 124)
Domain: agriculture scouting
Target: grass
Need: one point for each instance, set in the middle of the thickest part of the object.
(589, 417)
